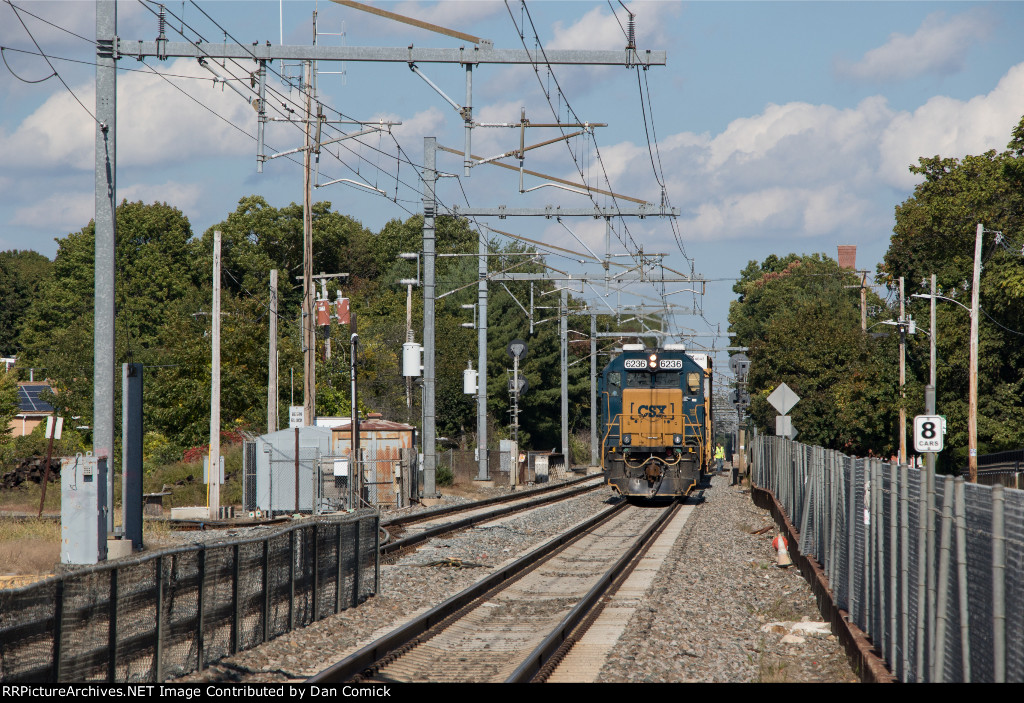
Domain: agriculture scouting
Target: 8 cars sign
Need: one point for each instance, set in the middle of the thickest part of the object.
(928, 431)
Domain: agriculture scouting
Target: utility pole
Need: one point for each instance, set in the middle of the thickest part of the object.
(594, 429)
(106, 225)
(564, 353)
(483, 471)
(213, 475)
(929, 391)
(972, 410)
(903, 376)
(864, 301)
(429, 419)
(308, 286)
(272, 360)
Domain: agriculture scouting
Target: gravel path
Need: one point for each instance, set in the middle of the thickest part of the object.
(719, 611)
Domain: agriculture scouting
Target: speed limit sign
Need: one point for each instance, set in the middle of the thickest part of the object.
(928, 433)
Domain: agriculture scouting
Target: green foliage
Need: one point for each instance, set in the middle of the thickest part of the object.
(163, 296)
(935, 233)
(443, 475)
(802, 327)
(22, 277)
(8, 403)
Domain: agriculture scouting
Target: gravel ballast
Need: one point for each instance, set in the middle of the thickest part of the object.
(719, 610)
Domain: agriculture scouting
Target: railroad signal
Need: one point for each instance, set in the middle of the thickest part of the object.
(517, 349)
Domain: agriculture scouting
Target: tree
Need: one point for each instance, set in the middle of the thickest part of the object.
(935, 233)
(153, 267)
(22, 276)
(9, 404)
(802, 328)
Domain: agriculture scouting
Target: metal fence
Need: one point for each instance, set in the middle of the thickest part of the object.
(170, 613)
(924, 564)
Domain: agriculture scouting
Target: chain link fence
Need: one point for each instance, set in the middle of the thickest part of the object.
(172, 612)
(924, 564)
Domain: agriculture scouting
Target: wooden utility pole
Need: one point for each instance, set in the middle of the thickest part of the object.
(863, 301)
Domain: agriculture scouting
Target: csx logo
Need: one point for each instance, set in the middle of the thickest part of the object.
(651, 411)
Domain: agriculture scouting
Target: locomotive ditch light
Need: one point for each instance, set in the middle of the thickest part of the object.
(677, 439)
(627, 439)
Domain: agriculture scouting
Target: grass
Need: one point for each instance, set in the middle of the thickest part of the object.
(32, 546)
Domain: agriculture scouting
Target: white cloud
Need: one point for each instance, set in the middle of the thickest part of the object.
(951, 128)
(939, 46)
(55, 211)
(426, 123)
(813, 171)
(183, 196)
(156, 123)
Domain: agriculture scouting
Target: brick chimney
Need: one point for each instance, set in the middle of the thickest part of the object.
(848, 256)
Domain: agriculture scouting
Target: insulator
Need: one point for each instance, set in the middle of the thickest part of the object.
(631, 28)
(162, 21)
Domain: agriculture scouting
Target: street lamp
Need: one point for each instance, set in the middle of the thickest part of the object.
(972, 407)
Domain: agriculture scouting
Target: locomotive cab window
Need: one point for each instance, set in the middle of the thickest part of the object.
(638, 379)
(666, 380)
(614, 383)
(693, 381)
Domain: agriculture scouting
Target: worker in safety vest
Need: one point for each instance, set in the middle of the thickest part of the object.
(719, 456)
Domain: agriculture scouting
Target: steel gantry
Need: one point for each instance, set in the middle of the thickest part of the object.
(111, 48)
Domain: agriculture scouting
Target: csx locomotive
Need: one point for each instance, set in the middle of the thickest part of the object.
(656, 421)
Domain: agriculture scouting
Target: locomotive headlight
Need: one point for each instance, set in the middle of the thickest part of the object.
(653, 363)
(627, 439)
(677, 439)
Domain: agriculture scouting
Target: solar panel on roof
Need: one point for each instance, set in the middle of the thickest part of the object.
(29, 401)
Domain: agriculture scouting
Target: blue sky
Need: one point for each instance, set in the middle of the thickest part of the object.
(780, 126)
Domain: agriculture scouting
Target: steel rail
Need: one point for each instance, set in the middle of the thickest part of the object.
(368, 656)
(423, 536)
(535, 662)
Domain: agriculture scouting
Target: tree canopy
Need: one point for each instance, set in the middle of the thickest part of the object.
(163, 293)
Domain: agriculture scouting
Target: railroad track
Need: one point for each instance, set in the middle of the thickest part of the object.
(408, 531)
(509, 626)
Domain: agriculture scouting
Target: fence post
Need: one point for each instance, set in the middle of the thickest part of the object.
(112, 629)
(904, 571)
(316, 572)
(291, 570)
(998, 586)
(853, 603)
(158, 658)
(337, 582)
(201, 602)
(234, 596)
(939, 643)
(922, 559)
(266, 589)
(896, 654)
(356, 558)
(931, 575)
(870, 520)
(58, 627)
(961, 567)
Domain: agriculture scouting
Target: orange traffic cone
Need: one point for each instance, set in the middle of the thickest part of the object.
(781, 547)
